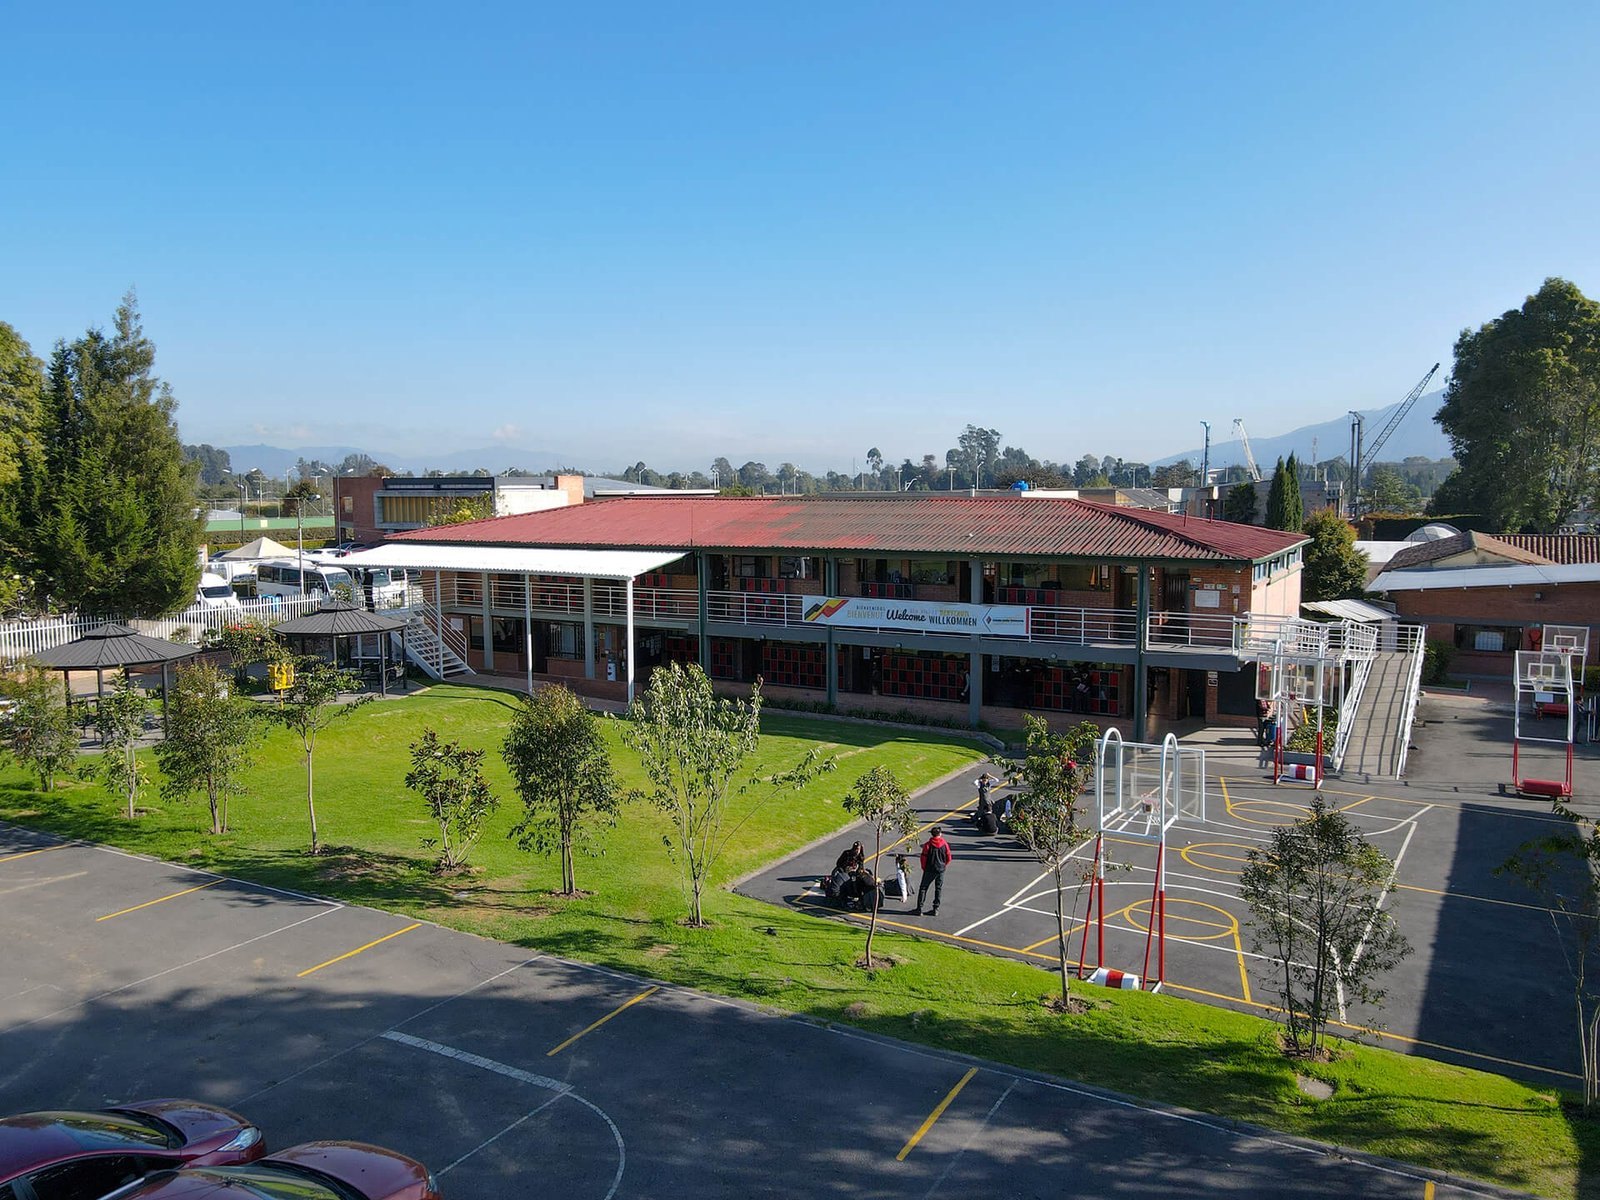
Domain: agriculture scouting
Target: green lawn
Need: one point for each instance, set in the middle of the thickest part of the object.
(1154, 1046)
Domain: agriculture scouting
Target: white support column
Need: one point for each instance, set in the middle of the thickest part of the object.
(527, 625)
(488, 627)
(588, 628)
(628, 592)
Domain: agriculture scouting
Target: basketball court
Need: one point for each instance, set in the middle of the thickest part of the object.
(1484, 976)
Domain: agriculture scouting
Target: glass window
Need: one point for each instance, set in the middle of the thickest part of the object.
(564, 639)
(507, 634)
(108, 1131)
(749, 566)
(276, 1182)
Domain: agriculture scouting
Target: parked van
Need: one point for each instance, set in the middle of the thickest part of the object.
(283, 579)
(214, 592)
(383, 587)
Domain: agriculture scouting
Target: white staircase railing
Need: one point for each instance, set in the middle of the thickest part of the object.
(1416, 635)
(432, 643)
(1361, 670)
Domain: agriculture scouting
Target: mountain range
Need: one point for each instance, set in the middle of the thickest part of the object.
(1418, 434)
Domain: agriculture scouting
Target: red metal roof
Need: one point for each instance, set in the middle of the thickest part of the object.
(981, 525)
(1565, 549)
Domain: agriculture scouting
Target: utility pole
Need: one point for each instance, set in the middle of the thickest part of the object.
(1357, 430)
(1205, 457)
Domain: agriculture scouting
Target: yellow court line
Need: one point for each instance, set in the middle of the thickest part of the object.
(649, 991)
(42, 850)
(1238, 950)
(1427, 1190)
(935, 1115)
(1054, 938)
(359, 949)
(160, 900)
(1355, 804)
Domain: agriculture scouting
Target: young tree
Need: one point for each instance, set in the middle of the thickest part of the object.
(450, 779)
(562, 772)
(1334, 568)
(115, 503)
(880, 799)
(210, 742)
(38, 732)
(308, 706)
(1044, 814)
(1522, 410)
(1561, 870)
(1239, 503)
(120, 719)
(1315, 892)
(693, 747)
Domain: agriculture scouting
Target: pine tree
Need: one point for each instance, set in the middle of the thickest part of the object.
(112, 503)
(1239, 504)
(1294, 509)
(1275, 499)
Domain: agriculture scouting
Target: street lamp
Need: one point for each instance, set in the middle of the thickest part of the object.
(244, 490)
(300, 537)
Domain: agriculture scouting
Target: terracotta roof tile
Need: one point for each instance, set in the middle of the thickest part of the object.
(1564, 549)
(962, 525)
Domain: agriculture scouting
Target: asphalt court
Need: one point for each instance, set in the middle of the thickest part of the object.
(513, 1074)
(1464, 995)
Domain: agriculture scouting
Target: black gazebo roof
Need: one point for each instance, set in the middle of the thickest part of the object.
(112, 645)
(338, 618)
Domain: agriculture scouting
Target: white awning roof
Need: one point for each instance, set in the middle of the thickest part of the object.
(513, 560)
(1351, 610)
(1420, 579)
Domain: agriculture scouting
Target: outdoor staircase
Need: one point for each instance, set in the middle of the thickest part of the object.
(432, 645)
(1378, 727)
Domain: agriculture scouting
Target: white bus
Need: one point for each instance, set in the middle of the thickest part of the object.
(280, 578)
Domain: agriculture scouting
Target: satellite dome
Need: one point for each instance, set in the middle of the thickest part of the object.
(1435, 532)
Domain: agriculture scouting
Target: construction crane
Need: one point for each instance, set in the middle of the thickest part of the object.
(1249, 458)
(1361, 454)
(1370, 454)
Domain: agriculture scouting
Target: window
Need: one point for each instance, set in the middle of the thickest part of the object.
(349, 503)
(799, 567)
(1085, 577)
(507, 635)
(564, 639)
(749, 566)
(1489, 638)
(933, 572)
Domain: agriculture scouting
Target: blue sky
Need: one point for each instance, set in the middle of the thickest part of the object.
(671, 232)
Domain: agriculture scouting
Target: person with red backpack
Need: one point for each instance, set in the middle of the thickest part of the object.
(935, 858)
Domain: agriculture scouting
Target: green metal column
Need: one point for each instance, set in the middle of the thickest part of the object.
(1141, 701)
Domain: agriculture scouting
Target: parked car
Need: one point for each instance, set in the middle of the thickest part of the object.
(82, 1155)
(313, 1171)
(213, 592)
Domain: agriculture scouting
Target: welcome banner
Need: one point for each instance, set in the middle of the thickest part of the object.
(919, 616)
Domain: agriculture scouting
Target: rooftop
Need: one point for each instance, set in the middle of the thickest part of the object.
(1001, 526)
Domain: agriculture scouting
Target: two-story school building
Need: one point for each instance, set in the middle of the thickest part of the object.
(982, 602)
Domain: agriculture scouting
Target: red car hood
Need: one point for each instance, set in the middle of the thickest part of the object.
(371, 1170)
(197, 1122)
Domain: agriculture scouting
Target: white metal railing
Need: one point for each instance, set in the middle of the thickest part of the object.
(1414, 638)
(23, 639)
(1193, 629)
(1350, 704)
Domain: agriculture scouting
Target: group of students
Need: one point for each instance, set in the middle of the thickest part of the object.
(853, 885)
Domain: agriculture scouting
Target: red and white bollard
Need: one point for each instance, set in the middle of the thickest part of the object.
(1106, 977)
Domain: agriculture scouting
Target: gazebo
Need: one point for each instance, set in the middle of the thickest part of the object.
(113, 646)
(339, 620)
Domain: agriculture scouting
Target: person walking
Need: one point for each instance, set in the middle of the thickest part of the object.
(935, 858)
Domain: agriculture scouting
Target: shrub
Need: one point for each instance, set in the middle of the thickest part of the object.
(1436, 657)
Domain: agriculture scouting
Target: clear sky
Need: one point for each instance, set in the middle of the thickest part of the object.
(675, 231)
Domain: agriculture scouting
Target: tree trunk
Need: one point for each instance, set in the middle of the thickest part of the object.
(216, 815)
(569, 883)
(1061, 936)
(311, 806)
(872, 921)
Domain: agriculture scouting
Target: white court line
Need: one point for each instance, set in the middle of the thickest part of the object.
(22, 887)
(982, 1125)
(416, 1016)
(181, 966)
(500, 1068)
(1361, 945)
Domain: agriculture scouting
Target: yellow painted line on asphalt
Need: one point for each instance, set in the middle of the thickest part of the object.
(31, 853)
(1075, 928)
(122, 912)
(621, 1008)
(359, 949)
(922, 1129)
(916, 833)
(1427, 1190)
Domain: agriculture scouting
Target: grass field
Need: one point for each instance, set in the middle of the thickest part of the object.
(1154, 1046)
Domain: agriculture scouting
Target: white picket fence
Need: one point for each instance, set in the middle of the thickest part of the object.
(23, 639)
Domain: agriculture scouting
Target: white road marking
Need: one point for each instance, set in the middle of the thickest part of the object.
(982, 1125)
(22, 887)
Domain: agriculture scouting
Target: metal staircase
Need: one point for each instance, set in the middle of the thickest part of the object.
(430, 641)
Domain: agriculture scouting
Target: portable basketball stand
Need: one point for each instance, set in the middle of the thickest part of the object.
(1141, 791)
(1290, 683)
(1543, 679)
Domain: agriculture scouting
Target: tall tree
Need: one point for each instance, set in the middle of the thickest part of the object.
(695, 748)
(210, 744)
(1522, 410)
(1334, 568)
(1044, 816)
(214, 464)
(1315, 892)
(115, 502)
(979, 449)
(1239, 503)
(1387, 491)
(1294, 508)
(562, 771)
(880, 799)
(1277, 502)
(21, 386)
(306, 707)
